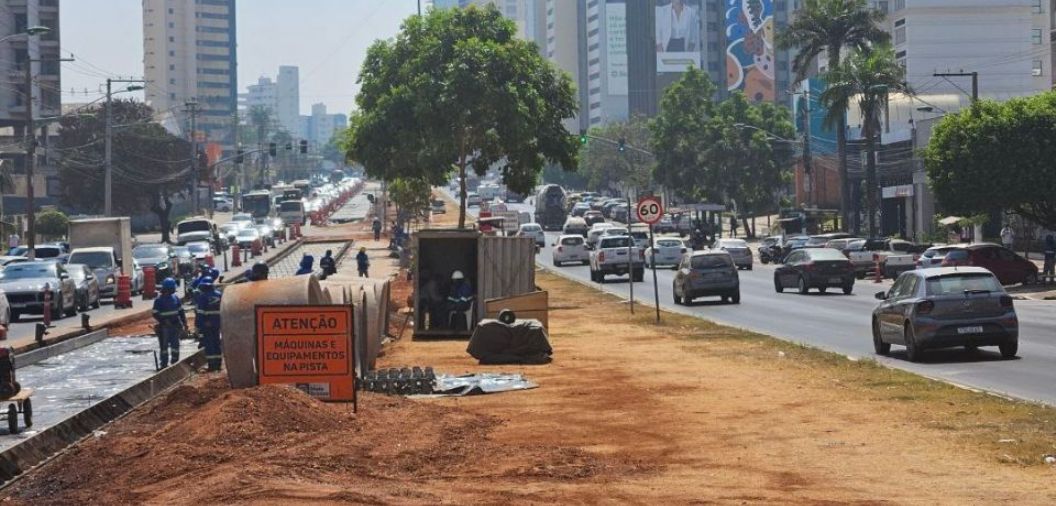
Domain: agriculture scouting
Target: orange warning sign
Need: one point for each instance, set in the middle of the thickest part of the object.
(307, 346)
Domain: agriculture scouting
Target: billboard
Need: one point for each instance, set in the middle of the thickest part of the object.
(678, 38)
(750, 48)
(616, 47)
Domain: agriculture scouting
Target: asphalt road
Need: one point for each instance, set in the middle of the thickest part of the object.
(841, 323)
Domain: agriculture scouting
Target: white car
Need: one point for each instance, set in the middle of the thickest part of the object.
(570, 248)
(668, 250)
(595, 233)
(738, 249)
(223, 205)
(533, 230)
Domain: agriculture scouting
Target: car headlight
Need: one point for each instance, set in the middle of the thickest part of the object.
(110, 280)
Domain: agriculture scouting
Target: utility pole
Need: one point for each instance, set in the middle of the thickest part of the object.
(31, 160)
(973, 75)
(109, 173)
(192, 112)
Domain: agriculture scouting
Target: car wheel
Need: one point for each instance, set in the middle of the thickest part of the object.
(859, 275)
(803, 288)
(736, 297)
(1009, 349)
(556, 263)
(764, 261)
(913, 351)
(97, 303)
(725, 299)
(848, 289)
(777, 286)
(73, 309)
(879, 346)
(638, 275)
(749, 267)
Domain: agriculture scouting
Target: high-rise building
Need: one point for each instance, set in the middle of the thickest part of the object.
(320, 127)
(280, 97)
(565, 36)
(606, 61)
(189, 54)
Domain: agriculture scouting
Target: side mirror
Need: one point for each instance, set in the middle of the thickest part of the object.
(880, 295)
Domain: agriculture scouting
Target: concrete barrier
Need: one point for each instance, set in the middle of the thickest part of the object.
(40, 354)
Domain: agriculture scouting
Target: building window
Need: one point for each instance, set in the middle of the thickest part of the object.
(172, 67)
(900, 35)
(172, 25)
(882, 6)
(1035, 36)
(172, 81)
(170, 11)
(900, 4)
(1036, 7)
(172, 39)
(172, 53)
(1036, 68)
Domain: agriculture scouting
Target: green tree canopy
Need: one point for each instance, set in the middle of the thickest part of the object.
(457, 88)
(685, 110)
(52, 224)
(607, 168)
(997, 156)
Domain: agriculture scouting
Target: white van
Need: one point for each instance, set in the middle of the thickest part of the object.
(292, 211)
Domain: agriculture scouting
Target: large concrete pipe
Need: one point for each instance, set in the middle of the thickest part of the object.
(238, 319)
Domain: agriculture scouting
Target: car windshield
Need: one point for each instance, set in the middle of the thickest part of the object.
(733, 243)
(150, 252)
(669, 243)
(711, 261)
(769, 241)
(856, 245)
(192, 226)
(826, 254)
(28, 271)
(795, 243)
(247, 232)
(956, 254)
(616, 242)
(198, 247)
(959, 283)
(93, 259)
(291, 205)
(530, 228)
(817, 240)
(47, 252)
(571, 241)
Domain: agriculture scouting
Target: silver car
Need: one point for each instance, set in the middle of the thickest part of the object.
(738, 249)
(665, 251)
(945, 307)
(705, 273)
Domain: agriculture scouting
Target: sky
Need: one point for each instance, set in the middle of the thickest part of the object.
(327, 39)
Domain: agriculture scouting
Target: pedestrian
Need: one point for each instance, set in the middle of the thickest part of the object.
(460, 297)
(12, 241)
(432, 300)
(328, 264)
(1008, 236)
(168, 312)
(362, 262)
(207, 322)
(307, 264)
(733, 226)
(1048, 274)
(376, 226)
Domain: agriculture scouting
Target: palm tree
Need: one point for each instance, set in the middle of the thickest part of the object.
(866, 77)
(831, 26)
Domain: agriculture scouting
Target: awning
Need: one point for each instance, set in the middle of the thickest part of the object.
(950, 220)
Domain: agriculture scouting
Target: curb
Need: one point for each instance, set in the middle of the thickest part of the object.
(40, 354)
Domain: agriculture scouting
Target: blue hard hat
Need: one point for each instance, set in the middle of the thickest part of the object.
(206, 282)
(214, 273)
(168, 284)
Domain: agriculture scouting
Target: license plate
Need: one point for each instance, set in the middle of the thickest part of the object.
(835, 280)
(621, 253)
(977, 329)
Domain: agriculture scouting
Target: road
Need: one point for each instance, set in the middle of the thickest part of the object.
(841, 323)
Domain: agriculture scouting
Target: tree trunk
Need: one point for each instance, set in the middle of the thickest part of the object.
(870, 176)
(749, 232)
(841, 149)
(462, 191)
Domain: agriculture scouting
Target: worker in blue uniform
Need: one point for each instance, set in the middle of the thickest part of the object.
(207, 321)
(307, 263)
(168, 312)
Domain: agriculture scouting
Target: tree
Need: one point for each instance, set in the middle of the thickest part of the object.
(150, 165)
(411, 196)
(608, 168)
(867, 77)
(830, 26)
(997, 156)
(685, 109)
(457, 89)
(52, 224)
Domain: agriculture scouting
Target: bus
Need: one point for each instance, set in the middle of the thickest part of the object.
(257, 203)
(304, 186)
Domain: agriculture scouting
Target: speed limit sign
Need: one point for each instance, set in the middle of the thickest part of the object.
(650, 210)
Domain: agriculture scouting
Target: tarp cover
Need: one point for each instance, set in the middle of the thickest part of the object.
(523, 342)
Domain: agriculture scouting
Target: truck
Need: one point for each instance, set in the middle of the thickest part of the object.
(87, 234)
(894, 256)
(195, 229)
(550, 211)
(617, 255)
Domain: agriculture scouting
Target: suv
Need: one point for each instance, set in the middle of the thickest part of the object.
(104, 263)
(611, 257)
(705, 273)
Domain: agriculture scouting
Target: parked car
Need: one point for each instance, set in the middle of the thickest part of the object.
(665, 251)
(580, 209)
(23, 283)
(87, 287)
(472, 199)
(7, 260)
(41, 252)
(821, 240)
(570, 248)
(706, 273)
(1009, 267)
(933, 256)
(820, 268)
(437, 207)
(577, 226)
(246, 237)
(616, 255)
(185, 266)
(770, 249)
(533, 230)
(944, 307)
(104, 262)
(592, 217)
(595, 233)
(203, 253)
(738, 249)
(159, 256)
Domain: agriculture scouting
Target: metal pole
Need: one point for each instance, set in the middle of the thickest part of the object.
(109, 174)
(656, 284)
(808, 165)
(31, 162)
(630, 251)
(192, 110)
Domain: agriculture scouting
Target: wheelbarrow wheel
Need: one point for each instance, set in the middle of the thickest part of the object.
(12, 419)
(27, 412)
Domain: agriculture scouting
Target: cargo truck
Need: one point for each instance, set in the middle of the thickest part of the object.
(550, 211)
(105, 245)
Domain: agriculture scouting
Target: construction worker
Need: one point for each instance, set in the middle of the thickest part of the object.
(362, 262)
(168, 312)
(207, 321)
(307, 263)
(328, 264)
(376, 227)
(259, 272)
(460, 298)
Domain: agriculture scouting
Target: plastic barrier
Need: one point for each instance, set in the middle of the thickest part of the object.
(256, 248)
(47, 305)
(123, 299)
(236, 256)
(149, 283)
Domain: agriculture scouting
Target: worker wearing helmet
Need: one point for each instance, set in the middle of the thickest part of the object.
(460, 298)
(168, 312)
(207, 321)
(307, 264)
(259, 272)
(362, 262)
(328, 264)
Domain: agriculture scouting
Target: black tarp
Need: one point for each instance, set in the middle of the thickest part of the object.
(522, 342)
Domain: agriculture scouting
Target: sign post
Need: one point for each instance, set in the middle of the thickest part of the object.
(309, 347)
(650, 209)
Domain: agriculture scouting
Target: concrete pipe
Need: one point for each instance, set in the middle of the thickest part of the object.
(238, 319)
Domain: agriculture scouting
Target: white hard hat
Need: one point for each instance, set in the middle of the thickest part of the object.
(457, 275)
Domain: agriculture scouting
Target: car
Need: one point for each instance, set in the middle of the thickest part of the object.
(194, 229)
(246, 237)
(222, 205)
(842, 243)
(87, 287)
(229, 231)
(41, 252)
(267, 234)
(640, 233)
(933, 256)
(770, 249)
(893, 256)
(437, 207)
(1009, 267)
(592, 217)
(820, 268)
(942, 307)
(203, 253)
(789, 245)
(473, 200)
(242, 219)
(105, 262)
(665, 251)
(822, 240)
(580, 209)
(738, 249)
(159, 256)
(570, 248)
(24, 283)
(577, 226)
(533, 230)
(595, 233)
(185, 266)
(706, 273)
(7, 259)
(666, 225)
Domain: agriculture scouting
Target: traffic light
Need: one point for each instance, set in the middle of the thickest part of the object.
(240, 156)
(583, 137)
(304, 147)
(622, 145)
(272, 149)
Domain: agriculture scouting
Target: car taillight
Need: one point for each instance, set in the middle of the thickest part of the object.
(601, 256)
(925, 306)
(1006, 301)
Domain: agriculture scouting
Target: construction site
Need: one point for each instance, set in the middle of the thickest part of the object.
(577, 401)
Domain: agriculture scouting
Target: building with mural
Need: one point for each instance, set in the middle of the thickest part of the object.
(750, 50)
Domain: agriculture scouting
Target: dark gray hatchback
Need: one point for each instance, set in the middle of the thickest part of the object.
(705, 273)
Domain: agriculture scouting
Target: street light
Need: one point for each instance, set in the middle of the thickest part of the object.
(31, 145)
